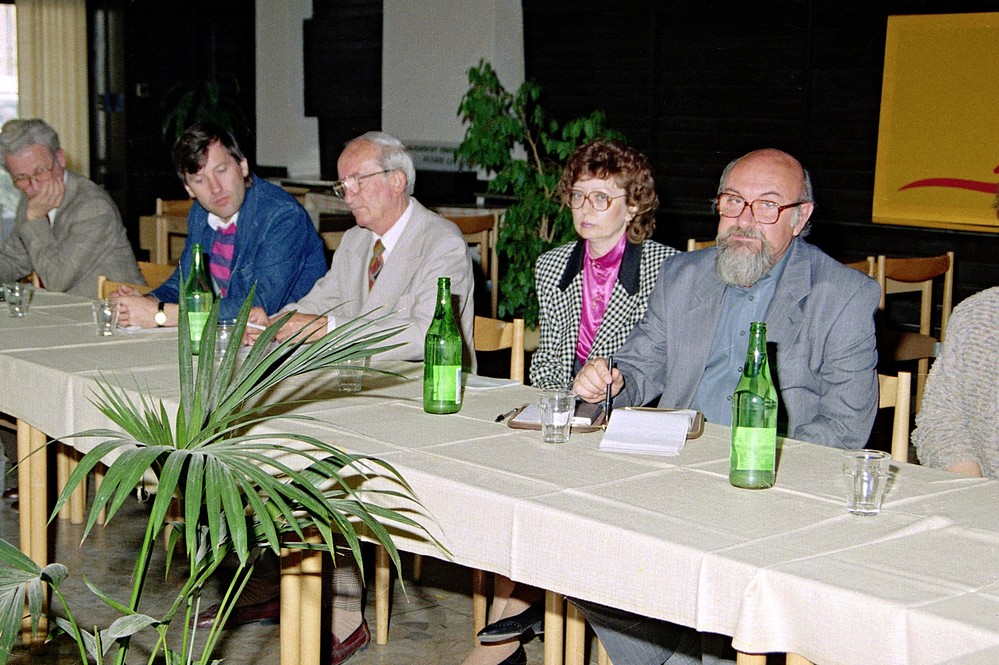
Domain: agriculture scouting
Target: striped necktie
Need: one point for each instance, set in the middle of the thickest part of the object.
(376, 263)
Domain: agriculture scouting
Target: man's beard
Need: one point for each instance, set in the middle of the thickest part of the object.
(737, 265)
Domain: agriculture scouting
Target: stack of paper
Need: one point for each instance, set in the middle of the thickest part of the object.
(650, 432)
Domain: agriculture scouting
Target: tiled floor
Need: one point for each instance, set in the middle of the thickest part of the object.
(432, 623)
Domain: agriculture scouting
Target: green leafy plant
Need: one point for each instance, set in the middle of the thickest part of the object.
(502, 126)
(238, 497)
(202, 101)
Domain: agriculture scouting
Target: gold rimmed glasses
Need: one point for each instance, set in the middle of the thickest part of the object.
(24, 178)
(352, 183)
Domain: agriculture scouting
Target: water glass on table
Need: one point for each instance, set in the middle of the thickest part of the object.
(349, 374)
(556, 407)
(866, 475)
(222, 336)
(105, 317)
(18, 297)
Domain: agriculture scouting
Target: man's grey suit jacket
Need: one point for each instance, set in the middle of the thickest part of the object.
(821, 320)
(86, 240)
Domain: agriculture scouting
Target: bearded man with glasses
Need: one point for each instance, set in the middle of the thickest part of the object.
(67, 230)
(688, 350)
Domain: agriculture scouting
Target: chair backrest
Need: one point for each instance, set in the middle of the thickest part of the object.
(105, 287)
(174, 207)
(866, 266)
(495, 334)
(154, 274)
(480, 228)
(902, 275)
(895, 391)
(693, 244)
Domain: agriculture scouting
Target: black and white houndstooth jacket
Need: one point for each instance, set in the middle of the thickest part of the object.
(559, 279)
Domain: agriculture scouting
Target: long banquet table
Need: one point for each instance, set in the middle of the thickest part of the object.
(783, 570)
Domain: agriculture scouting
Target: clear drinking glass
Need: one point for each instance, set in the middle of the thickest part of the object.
(349, 374)
(105, 317)
(866, 475)
(556, 407)
(18, 297)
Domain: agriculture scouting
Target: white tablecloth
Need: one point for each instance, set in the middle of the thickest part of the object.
(786, 569)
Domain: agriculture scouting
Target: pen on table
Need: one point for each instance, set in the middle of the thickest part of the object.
(607, 396)
(503, 416)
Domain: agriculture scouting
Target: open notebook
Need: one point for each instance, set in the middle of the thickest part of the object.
(651, 431)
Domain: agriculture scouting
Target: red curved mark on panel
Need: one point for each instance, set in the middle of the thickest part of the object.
(954, 183)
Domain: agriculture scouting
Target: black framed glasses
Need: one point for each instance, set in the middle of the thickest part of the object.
(764, 211)
(24, 178)
(352, 183)
(599, 200)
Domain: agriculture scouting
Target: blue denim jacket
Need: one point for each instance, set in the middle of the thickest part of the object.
(277, 248)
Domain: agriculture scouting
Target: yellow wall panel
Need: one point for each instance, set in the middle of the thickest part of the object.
(938, 143)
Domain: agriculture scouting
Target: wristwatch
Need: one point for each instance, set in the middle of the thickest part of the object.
(160, 316)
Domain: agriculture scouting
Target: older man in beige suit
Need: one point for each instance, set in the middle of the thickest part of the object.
(390, 262)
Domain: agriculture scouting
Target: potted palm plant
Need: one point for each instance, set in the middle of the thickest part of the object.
(512, 138)
(237, 498)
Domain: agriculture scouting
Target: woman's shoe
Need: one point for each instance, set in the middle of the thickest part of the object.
(532, 619)
(518, 657)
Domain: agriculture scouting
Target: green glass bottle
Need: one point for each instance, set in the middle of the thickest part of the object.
(753, 460)
(199, 296)
(442, 356)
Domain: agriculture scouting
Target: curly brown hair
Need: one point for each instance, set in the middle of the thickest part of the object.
(608, 159)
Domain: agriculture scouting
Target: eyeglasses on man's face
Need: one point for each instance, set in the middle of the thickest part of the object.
(764, 211)
(599, 200)
(352, 183)
(22, 179)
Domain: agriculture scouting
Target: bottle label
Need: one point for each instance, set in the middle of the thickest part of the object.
(445, 382)
(754, 448)
(197, 321)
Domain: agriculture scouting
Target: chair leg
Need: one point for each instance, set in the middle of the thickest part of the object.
(554, 627)
(62, 476)
(750, 658)
(602, 657)
(795, 659)
(417, 568)
(575, 636)
(479, 602)
(78, 499)
(922, 372)
(98, 479)
(383, 575)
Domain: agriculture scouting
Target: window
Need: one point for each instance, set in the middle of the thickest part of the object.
(8, 108)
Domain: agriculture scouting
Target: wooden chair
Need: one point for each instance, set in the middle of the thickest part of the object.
(904, 275)
(693, 244)
(866, 266)
(896, 391)
(488, 335)
(480, 227)
(154, 274)
(170, 225)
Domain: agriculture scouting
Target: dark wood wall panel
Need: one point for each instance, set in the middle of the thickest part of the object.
(343, 73)
(710, 81)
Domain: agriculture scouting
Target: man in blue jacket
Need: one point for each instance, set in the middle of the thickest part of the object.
(252, 231)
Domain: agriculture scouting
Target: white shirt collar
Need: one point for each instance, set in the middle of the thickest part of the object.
(391, 237)
(216, 222)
